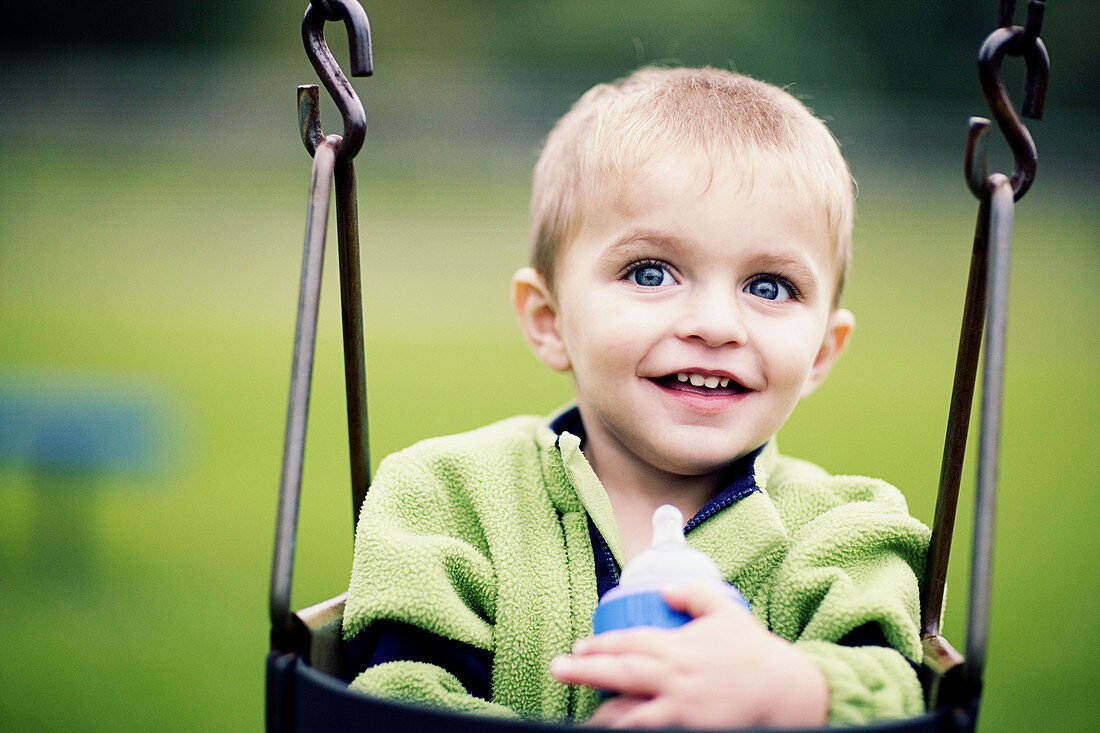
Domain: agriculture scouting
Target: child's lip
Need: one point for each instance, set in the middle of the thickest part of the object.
(720, 374)
(704, 400)
(702, 381)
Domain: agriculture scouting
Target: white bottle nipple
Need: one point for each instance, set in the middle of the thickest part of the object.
(668, 527)
(669, 559)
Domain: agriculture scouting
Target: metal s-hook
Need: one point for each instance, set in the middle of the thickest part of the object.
(333, 163)
(1015, 41)
(353, 16)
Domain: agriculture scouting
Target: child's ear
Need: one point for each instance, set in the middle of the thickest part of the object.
(838, 331)
(538, 318)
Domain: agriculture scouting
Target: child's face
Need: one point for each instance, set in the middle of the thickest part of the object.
(693, 319)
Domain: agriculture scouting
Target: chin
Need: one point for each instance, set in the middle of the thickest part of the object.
(698, 456)
(700, 463)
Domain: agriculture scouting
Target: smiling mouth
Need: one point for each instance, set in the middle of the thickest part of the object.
(706, 384)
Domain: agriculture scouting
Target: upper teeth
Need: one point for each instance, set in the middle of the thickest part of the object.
(702, 380)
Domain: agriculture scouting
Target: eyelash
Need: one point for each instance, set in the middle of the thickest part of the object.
(790, 286)
(642, 264)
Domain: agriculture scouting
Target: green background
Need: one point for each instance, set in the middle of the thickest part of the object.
(152, 196)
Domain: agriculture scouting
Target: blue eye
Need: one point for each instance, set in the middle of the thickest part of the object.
(769, 288)
(650, 276)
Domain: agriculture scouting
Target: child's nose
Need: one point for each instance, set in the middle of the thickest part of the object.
(713, 315)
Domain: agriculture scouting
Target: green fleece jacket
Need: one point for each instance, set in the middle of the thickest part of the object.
(483, 538)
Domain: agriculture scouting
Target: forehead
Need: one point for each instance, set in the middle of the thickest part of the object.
(713, 208)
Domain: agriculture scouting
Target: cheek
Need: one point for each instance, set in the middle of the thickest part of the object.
(605, 331)
(790, 354)
(603, 347)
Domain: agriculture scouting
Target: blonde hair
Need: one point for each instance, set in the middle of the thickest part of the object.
(720, 119)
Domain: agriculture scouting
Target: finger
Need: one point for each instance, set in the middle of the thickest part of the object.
(701, 599)
(612, 710)
(628, 674)
(641, 640)
(657, 713)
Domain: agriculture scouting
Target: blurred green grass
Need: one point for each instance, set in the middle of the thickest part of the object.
(179, 271)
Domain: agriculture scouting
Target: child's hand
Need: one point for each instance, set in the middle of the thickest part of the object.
(722, 669)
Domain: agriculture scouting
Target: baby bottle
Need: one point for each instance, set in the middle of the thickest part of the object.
(668, 561)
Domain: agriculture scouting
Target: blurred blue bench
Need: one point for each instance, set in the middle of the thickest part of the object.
(89, 429)
(69, 436)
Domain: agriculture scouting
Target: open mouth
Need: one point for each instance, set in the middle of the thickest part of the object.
(706, 384)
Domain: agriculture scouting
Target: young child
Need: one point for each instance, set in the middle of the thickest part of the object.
(690, 237)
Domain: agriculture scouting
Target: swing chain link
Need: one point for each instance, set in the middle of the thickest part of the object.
(1022, 44)
(325, 9)
(1007, 13)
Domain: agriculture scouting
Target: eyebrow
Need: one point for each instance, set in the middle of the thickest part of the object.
(644, 238)
(785, 263)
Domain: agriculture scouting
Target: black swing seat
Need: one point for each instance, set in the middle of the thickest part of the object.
(308, 692)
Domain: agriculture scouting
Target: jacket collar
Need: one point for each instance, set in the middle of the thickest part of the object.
(563, 438)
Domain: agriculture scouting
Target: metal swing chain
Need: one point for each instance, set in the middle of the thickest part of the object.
(332, 161)
(986, 304)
